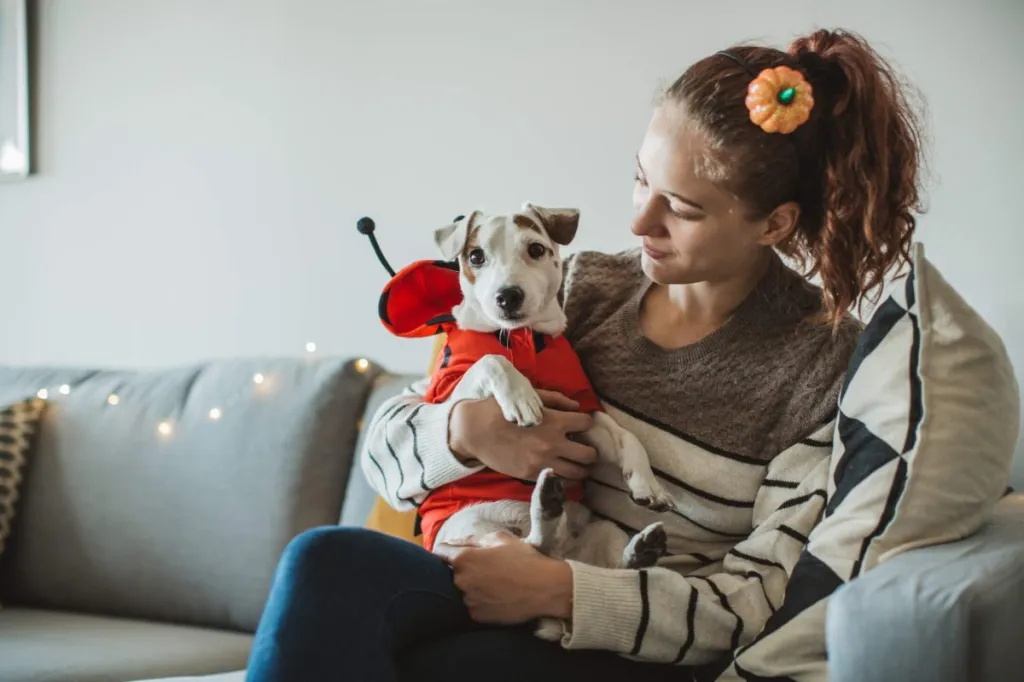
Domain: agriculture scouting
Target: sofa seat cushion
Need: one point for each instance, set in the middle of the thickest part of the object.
(53, 646)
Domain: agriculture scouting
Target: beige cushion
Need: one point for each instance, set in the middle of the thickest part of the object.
(48, 646)
(928, 423)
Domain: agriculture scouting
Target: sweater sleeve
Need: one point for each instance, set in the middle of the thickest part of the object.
(406, 455)
(661, 615)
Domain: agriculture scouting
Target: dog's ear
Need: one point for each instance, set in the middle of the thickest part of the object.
(561, 223)
(451, 239)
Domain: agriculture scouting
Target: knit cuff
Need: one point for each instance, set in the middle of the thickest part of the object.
(606, 609)
(430, 444)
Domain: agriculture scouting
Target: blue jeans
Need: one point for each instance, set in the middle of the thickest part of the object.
(351, 605)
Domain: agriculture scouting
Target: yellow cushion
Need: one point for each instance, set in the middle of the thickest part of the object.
(383, 517)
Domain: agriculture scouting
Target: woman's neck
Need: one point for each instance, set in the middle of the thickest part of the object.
(677, 315)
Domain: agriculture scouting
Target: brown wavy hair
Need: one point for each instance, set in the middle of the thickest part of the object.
(854, 167)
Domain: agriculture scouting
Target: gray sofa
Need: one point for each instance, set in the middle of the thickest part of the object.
(140, 554)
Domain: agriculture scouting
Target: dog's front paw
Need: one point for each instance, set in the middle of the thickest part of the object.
(520, 404)
(647, 492)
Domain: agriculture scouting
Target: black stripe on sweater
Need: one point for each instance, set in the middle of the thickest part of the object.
(691, 614)
(796, 535)
(811, 442)
(645, 615)
(797, 501)
(416, 449)
(676, 512)
(737, 632)
(773, 483)
(383, 478)
(757, 560)
(742, 504)
(650, 421)
(401, 474)
(760, 578)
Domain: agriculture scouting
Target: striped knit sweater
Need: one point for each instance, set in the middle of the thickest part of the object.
(738, 426)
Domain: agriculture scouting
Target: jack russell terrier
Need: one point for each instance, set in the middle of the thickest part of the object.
(496, 297)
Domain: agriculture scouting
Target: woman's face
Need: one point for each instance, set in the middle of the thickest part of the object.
(693, 230)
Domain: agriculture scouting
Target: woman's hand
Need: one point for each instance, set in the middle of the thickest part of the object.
(505, 581)
(479, 433)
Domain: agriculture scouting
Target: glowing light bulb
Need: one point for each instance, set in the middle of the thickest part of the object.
(258, 378)
(43, 394)
(362, 364)
(310, 347)
(113, 399)
(64, 389)
(164, 428)
(215, 413)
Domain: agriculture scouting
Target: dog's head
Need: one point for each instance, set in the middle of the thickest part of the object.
(510, 268)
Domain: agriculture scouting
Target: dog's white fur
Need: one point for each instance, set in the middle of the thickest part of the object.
(557, 528)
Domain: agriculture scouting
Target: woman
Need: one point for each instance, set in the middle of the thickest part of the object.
(724, 361)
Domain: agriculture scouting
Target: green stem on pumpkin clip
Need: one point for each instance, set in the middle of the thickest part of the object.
(787, 96)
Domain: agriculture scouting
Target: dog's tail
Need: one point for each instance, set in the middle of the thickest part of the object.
(366, 226)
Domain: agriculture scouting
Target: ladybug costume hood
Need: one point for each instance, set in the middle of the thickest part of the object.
(418, 300)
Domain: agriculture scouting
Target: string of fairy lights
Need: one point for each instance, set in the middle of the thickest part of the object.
(165, 427)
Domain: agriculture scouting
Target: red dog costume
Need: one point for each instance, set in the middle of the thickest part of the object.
(417, 302)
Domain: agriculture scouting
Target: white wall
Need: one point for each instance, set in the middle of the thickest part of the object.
(201, 163)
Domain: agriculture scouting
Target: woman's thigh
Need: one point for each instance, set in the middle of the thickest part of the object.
(345, 601)
(515, 655)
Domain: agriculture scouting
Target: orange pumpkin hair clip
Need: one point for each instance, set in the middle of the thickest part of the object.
(779, 99)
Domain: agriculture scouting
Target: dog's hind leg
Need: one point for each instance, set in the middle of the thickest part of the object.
(646, 547)
(547, 507)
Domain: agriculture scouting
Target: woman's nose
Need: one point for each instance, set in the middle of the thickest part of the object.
(645, 221)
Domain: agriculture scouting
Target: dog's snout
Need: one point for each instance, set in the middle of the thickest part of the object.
(510, 299)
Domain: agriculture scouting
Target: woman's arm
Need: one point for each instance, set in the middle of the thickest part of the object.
(413, 447)
(660, 615)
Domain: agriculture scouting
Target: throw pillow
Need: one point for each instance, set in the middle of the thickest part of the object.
(18, 426)
(928, 423)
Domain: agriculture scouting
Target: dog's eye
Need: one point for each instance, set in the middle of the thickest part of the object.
(536, 250)
(476, 257)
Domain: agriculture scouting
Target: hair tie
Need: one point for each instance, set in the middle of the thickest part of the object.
(779, 99)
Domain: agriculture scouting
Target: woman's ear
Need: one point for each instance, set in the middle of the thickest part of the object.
(780, 224)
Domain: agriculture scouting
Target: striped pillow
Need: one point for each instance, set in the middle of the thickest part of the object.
(18, 425)
(928, 423)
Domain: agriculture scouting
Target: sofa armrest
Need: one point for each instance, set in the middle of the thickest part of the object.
(946, 613)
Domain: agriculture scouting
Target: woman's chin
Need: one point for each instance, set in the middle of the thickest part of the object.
(658, 270)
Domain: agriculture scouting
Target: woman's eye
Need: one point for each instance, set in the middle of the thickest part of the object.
(476, 257)
(536, 250)
(638, 178)
(685, 215)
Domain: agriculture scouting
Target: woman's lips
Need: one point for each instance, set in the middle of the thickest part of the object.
(654, 253)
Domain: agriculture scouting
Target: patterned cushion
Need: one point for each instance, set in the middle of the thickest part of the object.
(928, 423)
(18, 424)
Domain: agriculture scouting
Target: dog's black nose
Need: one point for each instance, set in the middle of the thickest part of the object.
(510, 299)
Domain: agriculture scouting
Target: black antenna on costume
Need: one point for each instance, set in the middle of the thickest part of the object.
(367, 226)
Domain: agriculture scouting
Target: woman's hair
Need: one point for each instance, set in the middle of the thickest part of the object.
(853, 167)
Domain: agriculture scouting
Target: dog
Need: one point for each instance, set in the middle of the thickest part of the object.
(504, 321)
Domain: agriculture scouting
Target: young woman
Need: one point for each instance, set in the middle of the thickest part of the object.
(723, 360)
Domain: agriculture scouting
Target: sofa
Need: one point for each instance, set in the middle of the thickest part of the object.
(156, 503)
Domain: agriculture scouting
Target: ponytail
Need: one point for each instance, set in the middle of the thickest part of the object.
(853, 166)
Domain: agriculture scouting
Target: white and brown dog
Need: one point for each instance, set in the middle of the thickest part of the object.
(505, 340)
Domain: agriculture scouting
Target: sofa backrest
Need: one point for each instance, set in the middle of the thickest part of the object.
(175, 503)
